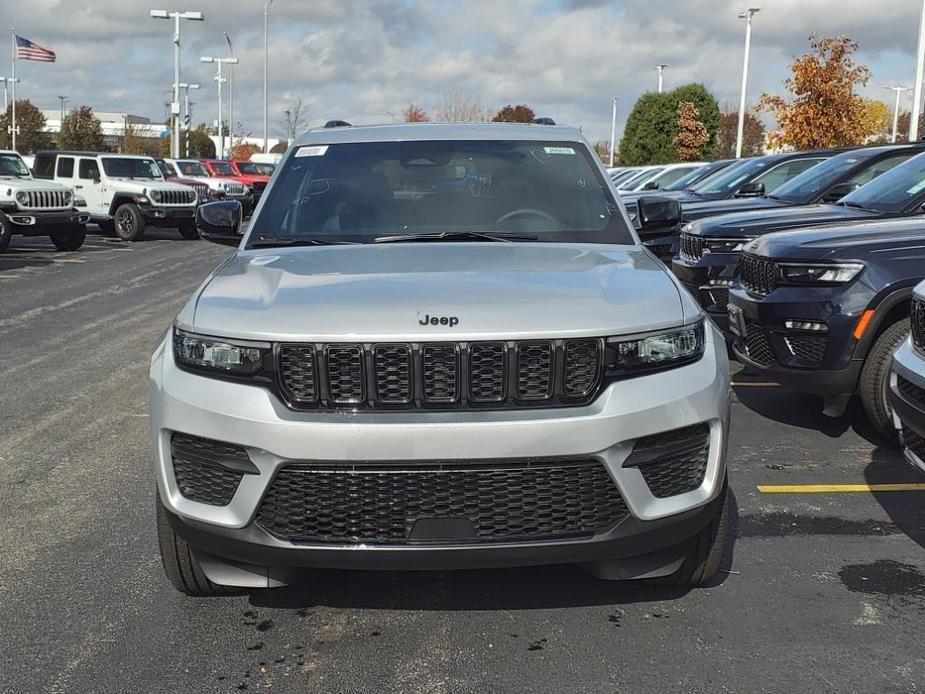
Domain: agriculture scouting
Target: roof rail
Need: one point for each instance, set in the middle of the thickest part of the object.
(337, 124)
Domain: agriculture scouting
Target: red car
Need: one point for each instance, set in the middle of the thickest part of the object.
(230, 169)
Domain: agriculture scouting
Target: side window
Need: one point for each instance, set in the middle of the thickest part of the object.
(782, 173)
(44, 166)
(871, 172)
(65, 167)
(89, 170)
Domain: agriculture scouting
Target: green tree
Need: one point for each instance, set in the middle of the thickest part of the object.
(200, 145)
(653, 125)
(81, 130)
(514, 114)
(31, 125)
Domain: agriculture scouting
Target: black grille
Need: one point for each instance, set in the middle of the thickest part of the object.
(809, 349)
(918, 323)
(682, 465)
(45, 199)
(380, 504)
(438, 375)
(174, 197)
(199, 470)
(757, 347)
(757, 275)
(914, 442)
(692, 247)
(911, 392)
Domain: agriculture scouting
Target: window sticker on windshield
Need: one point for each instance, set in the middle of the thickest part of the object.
(917, 188)
(558, 150)
(315, 151)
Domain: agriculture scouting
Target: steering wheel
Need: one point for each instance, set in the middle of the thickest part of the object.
(526, 211)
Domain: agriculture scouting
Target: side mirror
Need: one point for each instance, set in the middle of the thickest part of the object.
(754, 189)
(658, 213)
(651, 185)
(220, 222)
(836, 193)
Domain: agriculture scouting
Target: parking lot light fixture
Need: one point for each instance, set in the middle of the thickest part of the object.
(747, 16)
(176, 15)
(266, 69)
(661, 74)
(899, 91)
(219, 79)
(613, 131)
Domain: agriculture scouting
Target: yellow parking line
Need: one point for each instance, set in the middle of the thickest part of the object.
(838, 488)
(10, 277)
(736, 384)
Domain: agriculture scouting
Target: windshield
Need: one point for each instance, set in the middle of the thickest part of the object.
(898, 190)
(727, 182)
(166, 169)
(666, 178)
(690, 179)
(192, 168)
(250, 167)
(13, 165)
(125, 167)
(223, 168)
(361, 192)
(621, 176)
(640, 178)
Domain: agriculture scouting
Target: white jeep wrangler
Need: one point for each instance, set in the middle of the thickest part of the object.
(31, 208)
(124, 193)
(222, 188)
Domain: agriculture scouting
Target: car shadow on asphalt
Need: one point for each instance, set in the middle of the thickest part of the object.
(904, 508)
(8, 263)
(538, 587)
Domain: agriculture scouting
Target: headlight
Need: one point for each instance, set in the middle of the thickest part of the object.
(797, 273)
(215, 354)
(658, 350)
(22, 197)
(67, 198)
(155, 195)
(713, 245)
(80, 201)
(687, 228)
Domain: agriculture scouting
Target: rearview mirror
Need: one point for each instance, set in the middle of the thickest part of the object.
(651, 185)
(658, 213)
(220, 222)
(836, 193)
(755, 189)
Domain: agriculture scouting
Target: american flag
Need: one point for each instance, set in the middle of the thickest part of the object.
(26, 50)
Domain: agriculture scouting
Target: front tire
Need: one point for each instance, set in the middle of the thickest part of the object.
(180, 563)
(130, 223)
(188, 231)
(69, 239)
(874, 385)
(704, 552)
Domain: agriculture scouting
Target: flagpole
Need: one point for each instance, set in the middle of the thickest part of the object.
(13, 51)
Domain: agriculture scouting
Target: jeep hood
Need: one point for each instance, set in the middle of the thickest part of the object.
(384, 292)
(711, 208)
(134, 185)
(769, 220)
(15, 184)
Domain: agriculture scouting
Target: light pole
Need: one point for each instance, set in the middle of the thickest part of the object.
(747, 16)
(613, 130)
(899, 91)
(219, 79)
(917, 96)
(62, 99)
(187, 118)
(176, 15)
(230, 93)
(7, 81)
(266, 69)
(661, 70)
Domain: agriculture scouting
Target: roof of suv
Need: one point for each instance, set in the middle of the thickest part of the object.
(77, 153)
(439, 131)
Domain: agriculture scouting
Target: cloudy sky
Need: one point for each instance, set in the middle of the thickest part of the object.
(365, 60)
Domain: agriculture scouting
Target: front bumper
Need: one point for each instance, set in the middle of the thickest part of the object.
(708, 280)
(167, 216)
(275, 436)
(40, 223)
(822, 363)
(907, 403)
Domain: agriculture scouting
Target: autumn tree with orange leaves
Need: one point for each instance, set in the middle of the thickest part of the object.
(824, 109)
(415, 114)
(692, 134)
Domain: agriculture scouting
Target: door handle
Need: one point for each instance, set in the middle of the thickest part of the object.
(79, 187)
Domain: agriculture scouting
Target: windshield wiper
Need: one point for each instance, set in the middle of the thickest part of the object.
(855, 205)
(455, 236)
(271, 241)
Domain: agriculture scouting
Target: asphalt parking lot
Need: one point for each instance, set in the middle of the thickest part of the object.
(822, 591)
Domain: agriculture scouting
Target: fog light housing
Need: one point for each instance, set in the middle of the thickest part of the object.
(808, 325)
(722, 283)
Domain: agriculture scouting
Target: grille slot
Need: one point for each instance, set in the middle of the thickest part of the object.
(809, 349)
(176, 197)
(914, 443)
(757, 275)
(757, 347)
(680, 463)
(918, 323)
(199, 470)
(692, 247)
(911, 392)
(441, 375)
(379, 504)
(47, 199)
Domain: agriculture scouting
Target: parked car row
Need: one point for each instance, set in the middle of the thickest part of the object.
(813, 284)
(121, 193)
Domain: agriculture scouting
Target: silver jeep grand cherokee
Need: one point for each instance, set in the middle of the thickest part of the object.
(438, 346)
